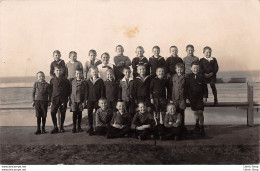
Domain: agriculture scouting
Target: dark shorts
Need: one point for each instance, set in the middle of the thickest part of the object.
(160, 104)
(41, 108)
(76, 106)
(197, 104)
(57, 105)
(179, 103)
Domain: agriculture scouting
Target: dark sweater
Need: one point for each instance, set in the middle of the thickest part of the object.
(141, 87)
(112, 88)
(158, 88)
(60, 89)
(155, 63)
(142, 119)
(41, 91)
(60, 64)
(95, 90)
(137, 61)
(208, 67)
(171, 63)
(196, 87)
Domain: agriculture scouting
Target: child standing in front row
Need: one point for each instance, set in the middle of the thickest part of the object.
(209, 68)
(73, 65)
(102, 68)
(95, 90)
(197, 94)
(77, 99)
(156, 61)
(171, 62)
(189, 59)
(93, 62)
(58, 63)
(140, 60)
(41, 100)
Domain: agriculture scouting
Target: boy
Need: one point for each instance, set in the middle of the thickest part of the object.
(120, 61)
(177, 91)
(120, 123)
(73, 65)
(158, 95)
(141, 90)
(125, 91)
(172, 124)
(60, 91)
(189, 59)
(209, 68)
(95, 90)
(57, 63)
(77, 99)
(143, 123)
(197, 94)
(103, 118)
(111, 86)
(102, 68)
(172, 61)
(92, 63)
(41, 100)
(156, 61)
(140, 60)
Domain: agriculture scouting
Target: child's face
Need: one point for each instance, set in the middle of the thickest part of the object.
(78, 75)
(56, 56)
(141, 70)
(179, 71)
(156, 52)
(105, 59)
(119, 50)
(174, 51)
(40, 77)
(127, 73)
(160, 72)
(92, 56)
(171, 109)
(58, 72)
(207, 53)
(102, 104)
(190, 51)
(120, 106)
(73, 57)
(109, 76)
(94, 73)
(195, 69)
(139, 52)
(142, 108)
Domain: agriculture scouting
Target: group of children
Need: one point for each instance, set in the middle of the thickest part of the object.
(149, 103)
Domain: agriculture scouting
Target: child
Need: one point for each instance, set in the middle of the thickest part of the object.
(140, 59)
(73, 65)
(103, 118)
(41, 100)
(102, 68)
(172, 61)
(92, 62)
(77, 99)
(60, 90)
(189, 59)
(111, 86)
(158, 88)
(125, 91)
(120, 123)
(95, 91)
(177, 91)
(156, 61)
(197, 94)
(143, 123)
(120, 61)
(209, 68)
(141, 90)
(172, 124)
(57, 63)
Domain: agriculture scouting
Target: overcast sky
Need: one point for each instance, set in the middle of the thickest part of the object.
(31, 30)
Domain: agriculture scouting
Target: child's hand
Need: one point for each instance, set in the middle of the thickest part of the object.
(171, 101)
(204, 100)
(210, 74)
(33, 104)
(152, 101)
(83, 105)
(170, 123)
(174, 125)
(187, 101)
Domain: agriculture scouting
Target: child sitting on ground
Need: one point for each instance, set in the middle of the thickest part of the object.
(41, 100)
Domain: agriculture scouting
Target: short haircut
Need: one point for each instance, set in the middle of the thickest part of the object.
(140, 65)
(92, 51)
(156, 47)
(58, 67)
(194, 63)
(170, 104)
(140, 47)
(173, 47)
(120, 101)
(159, 68)
(56, 51)
(93, 68)
(205, 48)
(120, 46)
(72, 52)
(79, 69)
(102, 99)
(126, 68)
(110, 71)
(179, 65)
(40, 72)
(189, 46)
(142, 103)
(105, 53)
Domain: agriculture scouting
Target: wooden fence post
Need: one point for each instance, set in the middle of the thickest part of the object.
(250, 109)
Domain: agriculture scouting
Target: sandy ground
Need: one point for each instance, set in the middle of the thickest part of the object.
(230, 144)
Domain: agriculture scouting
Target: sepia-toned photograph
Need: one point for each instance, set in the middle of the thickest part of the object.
(111, 82)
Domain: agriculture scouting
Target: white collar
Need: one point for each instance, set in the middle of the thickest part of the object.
(143, 79)
(209, 59)
(91, 79)
(124, 79)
